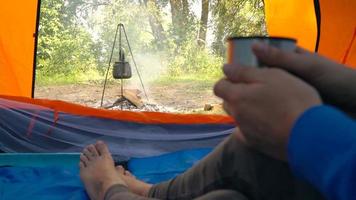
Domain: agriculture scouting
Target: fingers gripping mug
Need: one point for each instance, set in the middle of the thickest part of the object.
(239, 49)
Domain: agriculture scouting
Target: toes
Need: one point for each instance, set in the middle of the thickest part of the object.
(84, 159)
(87, 153)
(91, 148)
(102, 148)
(81, 165)
(127, 173)
(120, 169)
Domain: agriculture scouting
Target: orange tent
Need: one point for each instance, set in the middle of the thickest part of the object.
(324, 25)
(17, 46)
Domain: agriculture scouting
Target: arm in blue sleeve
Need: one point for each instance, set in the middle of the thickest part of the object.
(322, 150)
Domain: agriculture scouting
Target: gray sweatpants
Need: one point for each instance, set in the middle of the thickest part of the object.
(230, 171)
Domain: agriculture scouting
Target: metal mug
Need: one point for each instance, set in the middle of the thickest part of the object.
(239, 49)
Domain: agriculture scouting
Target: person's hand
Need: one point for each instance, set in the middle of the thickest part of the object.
(335, 82)
(265, 103)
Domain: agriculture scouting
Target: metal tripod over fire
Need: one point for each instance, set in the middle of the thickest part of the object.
(121, 69)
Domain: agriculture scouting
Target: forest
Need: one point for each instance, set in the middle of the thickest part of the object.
(171, 40)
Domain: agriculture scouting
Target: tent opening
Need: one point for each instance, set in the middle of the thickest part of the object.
(178, 51)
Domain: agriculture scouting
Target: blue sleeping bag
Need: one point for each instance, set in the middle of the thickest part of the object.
(63, 182)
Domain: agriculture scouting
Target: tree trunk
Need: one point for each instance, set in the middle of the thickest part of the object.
(176, 8)
(180, 19)
(154, 19)
(203, 23)
(218, 44)
(186, 17)
(185, 9)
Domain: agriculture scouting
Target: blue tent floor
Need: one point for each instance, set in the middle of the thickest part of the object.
(56, 176)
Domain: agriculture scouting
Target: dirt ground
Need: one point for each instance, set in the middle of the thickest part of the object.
(177, 97)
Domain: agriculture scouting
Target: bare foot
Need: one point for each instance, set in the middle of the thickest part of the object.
(97, 170)
(136, 186)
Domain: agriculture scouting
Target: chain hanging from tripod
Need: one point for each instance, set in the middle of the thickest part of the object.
(122, 69)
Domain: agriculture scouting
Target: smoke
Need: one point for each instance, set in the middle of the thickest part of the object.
(150, 66)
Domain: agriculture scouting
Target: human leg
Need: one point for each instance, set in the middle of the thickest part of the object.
(222, 194)
(233, 166)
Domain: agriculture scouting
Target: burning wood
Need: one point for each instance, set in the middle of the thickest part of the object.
(129, 96)
(132, 101)
(133, 98)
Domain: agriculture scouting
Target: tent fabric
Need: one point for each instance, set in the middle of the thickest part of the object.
(55, 181)
(157, 169)
(50, 183)
(298, 19)
(142, 117)
(27, 127)
(17, 46)
(39, 159)
(338, 31)
(292, 18)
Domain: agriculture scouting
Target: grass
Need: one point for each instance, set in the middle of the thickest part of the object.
(164, 80)
(90, 76)
(188, 78)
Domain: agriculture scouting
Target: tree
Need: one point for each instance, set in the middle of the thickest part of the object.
(203, 23)
(181, 20)
(63, 47)
(237, 18)
(155, 20)
(77, 35)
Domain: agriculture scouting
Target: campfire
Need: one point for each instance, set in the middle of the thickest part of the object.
(131, 100)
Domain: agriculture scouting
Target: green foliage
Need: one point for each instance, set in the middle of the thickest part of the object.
(73, 78)
(64, 49)
(128, 13)
(76, 36)
(237, 18)
(240, 17)
(193, 60)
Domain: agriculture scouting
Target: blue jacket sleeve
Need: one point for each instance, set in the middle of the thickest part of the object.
(322, 150)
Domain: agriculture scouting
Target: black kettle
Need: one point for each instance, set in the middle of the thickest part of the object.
(122, 69)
